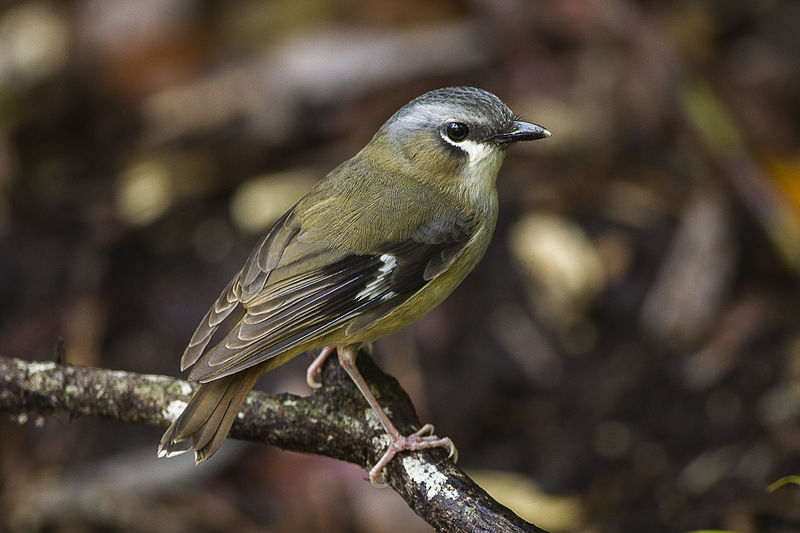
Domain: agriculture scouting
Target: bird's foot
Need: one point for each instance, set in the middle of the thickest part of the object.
(419, 440)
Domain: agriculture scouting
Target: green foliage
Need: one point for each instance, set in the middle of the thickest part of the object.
(786, 480)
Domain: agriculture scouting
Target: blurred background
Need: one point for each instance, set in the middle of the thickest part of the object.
(625, 358)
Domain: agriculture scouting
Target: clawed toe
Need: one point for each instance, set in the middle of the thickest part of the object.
(421, 439)
(316, 366)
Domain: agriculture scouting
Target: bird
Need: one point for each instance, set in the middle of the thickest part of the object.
(376, 244)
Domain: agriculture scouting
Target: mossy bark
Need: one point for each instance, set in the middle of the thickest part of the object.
(334, 421)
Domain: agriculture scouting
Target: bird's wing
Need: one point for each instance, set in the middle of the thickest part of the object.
(310, 295)
(244, 285)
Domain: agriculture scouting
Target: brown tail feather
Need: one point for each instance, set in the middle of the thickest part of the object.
(207, 419)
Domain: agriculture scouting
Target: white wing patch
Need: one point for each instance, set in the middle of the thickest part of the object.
(374, 287)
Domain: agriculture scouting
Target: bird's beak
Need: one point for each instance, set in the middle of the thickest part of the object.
(522, 131)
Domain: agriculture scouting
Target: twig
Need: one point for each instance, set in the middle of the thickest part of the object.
(333, 421)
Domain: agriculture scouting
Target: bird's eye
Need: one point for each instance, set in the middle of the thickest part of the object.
(456, 131)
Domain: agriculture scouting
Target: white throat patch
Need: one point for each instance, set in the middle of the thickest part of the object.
(483, 163)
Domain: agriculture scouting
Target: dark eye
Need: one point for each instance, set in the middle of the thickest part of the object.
(456, 131)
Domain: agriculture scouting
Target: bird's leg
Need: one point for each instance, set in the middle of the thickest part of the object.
(316, 365)
(420, 440)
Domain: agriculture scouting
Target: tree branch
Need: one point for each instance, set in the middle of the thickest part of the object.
(334, 421)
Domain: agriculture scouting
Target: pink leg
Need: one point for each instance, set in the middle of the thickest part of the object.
(316, 365)
(420, 440)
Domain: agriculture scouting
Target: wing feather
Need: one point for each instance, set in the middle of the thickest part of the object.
(225, 304)
(293, 290)
(266, 256)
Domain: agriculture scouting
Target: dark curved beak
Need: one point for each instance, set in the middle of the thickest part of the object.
(522, 131)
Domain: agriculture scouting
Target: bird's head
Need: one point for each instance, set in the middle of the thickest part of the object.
(454, 138)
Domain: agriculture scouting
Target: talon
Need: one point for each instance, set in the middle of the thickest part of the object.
(316, 365)
(427, 429)
(376, 477)
(453, 452)
(421, 439)
(311, 379)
